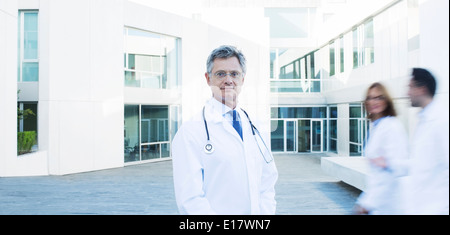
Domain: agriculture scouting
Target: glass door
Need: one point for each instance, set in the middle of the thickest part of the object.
(291, 136)
(304, 136)
(316, 136)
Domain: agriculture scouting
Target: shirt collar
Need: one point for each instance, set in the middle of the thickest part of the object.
(221, 108)
(376, 122)
(427, 111)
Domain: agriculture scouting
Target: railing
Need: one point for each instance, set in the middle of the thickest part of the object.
(156, 150)
(295, 85)
(144, 79)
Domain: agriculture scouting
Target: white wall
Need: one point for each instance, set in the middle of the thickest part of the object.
(81, 106)
(8, 84)
(434, 43)
(81, 84)
(343, 133)
(10, 164)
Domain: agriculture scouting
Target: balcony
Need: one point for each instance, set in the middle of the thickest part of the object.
(295, 86)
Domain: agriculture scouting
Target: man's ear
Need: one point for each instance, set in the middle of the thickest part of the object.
(208, 79)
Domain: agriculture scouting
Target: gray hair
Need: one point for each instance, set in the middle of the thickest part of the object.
(225, 52)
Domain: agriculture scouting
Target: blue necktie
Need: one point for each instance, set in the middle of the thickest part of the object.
(237, 124)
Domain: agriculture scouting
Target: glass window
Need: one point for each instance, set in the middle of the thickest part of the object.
(341, 54)
(325, 136)
(355, 150)
(131, 133)
(319, 112)
(357, 129)
(150, 151)
(30, 35)
(369, 42)
(155, 124)
(304, 136)
(333, 129)
(151, 60)
(333, 145)
(355, 48)
(273, 63)
(28, 47)
(299, 112)
(27, 127)
(277, 135)
(292, 71)
(332, 59)
(175, 120)
(355, 112)
(363, 44)
(30, 72)
(290, 22)
(315, 65)
(333, 112)
(147, 133)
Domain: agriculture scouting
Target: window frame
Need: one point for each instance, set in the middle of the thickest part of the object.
(164, 81)
(21, 45)
(363, 49)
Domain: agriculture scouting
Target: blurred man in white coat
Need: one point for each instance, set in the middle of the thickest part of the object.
(221, 163)
(429, 167)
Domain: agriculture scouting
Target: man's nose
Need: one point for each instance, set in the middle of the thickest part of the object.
(228, 79)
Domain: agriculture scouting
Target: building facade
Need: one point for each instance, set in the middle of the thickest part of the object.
(317, 92)
(107, 83)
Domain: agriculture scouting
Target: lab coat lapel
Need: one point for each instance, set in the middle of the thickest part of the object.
(248, 146)
(215, 115)
(228, 127)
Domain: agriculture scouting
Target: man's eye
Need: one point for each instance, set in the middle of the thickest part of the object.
(221, 74)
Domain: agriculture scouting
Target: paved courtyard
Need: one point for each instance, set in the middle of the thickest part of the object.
(147, 189)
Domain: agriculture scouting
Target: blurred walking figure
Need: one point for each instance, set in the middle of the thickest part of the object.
(387, 139)
(429, 167)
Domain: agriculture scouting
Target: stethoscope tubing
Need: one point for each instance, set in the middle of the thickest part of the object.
(209, 149)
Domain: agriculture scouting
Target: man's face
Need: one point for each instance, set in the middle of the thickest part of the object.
(416, 94)
(226, 89)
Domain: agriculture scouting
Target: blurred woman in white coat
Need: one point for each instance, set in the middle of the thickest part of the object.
(387, 139)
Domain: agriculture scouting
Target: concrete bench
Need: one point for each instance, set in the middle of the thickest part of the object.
(351, 170)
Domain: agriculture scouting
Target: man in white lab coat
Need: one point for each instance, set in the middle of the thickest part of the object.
(221, 164)
(429, 167)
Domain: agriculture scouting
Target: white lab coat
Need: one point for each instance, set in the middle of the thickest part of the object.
(383, 193)
(234, 179)
(429, 168)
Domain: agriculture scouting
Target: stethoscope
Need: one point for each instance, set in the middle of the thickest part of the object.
(209, 148)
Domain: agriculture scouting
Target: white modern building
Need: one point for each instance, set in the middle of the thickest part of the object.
(317, 93)
(110, 81)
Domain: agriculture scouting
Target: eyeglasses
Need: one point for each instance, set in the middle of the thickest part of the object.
(222, 74)
(377, 98)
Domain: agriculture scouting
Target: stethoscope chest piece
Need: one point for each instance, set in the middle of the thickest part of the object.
(209, 148)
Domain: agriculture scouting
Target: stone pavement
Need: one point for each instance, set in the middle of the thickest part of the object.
(147, 189)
